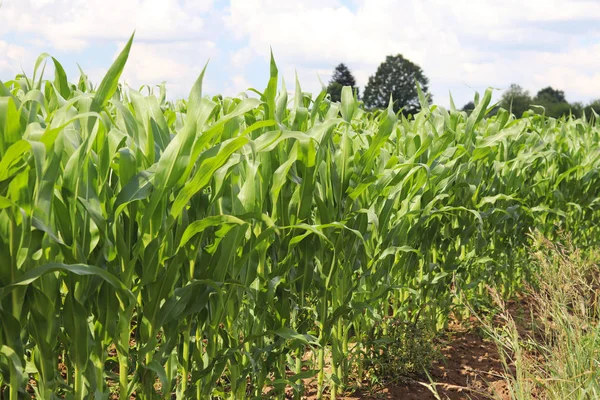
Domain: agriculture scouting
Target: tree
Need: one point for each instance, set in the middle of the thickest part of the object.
(577, 109)
(470, 106)
(396, 76)
(593, 106)
(555, 103)
(341, 77)
(516, 99)
(550, 95)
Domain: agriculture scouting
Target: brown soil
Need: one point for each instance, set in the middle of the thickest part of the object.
(469, 367)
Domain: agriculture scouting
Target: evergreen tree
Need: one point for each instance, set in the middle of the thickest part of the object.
(396, 76)
(341, 77)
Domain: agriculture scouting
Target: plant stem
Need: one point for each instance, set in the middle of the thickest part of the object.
(184, 365)
(14, 383)
(321, 377)
(78, 384)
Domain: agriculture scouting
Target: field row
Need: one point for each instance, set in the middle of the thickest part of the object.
(217, 247)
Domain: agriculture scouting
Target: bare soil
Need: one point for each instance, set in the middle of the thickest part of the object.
(469, 367)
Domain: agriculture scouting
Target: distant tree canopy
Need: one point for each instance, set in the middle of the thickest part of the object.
(553, 103)
(341, 77)
(396, 77)
(550, 95)
(470, 106)
(516, 99)
(593, 105)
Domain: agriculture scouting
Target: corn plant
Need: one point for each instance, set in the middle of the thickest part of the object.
(236, 247)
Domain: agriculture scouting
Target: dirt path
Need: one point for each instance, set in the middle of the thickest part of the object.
(470, 366)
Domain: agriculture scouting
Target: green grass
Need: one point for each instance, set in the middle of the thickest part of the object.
(203, 247)
(557, 353)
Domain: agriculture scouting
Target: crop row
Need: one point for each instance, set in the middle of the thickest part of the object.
(216, 247)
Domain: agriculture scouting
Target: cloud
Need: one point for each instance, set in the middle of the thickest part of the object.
(460, 44)
(237, 84)
(576, 69)
(177, 63)
(72, 24)
(11, 58)
(241, 57)
(314, 36)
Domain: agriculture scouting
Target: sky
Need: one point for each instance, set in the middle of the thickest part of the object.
(463, 46)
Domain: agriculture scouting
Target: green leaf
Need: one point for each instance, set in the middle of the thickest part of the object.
(78, 269)
(199, 226)
(290, 334)
(109, 83)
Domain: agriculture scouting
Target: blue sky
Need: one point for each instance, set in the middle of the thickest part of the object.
(462, 45)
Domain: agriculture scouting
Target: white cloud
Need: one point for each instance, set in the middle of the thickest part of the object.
(37, 4)
(314, 36)
(177, 63)
(460, 44)
(237, 84)
(198, 6)
(171, 41)
(585, 85)
(240, 58)
(71, 24)
(575, 70)
(11, 58)
(465, 43)
(307, 77)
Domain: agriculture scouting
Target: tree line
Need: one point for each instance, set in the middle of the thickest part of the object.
(548, 101)
(396, 77)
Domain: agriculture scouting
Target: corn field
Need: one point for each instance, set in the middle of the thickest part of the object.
(230, 247)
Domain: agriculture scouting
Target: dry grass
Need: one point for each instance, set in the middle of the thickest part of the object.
(557, 357)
